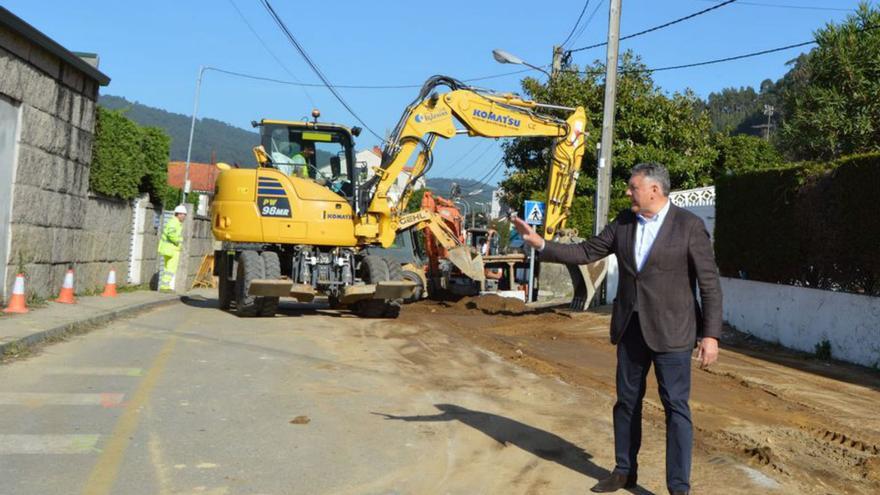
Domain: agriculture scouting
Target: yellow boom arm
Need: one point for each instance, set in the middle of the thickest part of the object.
(481, 114)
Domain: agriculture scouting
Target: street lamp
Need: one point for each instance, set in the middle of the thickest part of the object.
(467, 209)
(192, 128)
(503, 57)
(482, 210)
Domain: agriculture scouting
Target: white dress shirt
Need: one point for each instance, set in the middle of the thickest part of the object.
(646, 233)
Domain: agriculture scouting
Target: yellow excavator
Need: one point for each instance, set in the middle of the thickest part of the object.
(296, 225)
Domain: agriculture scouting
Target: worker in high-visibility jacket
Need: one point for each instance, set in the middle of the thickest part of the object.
(169, 247)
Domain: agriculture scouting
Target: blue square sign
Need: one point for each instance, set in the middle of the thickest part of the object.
(534, 212)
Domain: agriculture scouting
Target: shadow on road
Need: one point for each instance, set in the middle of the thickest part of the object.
(507, 431)
(285, 308)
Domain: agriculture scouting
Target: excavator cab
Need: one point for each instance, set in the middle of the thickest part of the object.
(320, 152)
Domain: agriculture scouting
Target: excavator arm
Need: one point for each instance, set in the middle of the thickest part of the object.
(481, 114)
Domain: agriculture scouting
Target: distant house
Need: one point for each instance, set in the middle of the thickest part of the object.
(372, 159)
(202, 177)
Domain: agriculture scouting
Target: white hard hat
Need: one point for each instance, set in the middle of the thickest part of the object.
(180, 209)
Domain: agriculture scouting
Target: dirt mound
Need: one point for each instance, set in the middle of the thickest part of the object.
(493, 304)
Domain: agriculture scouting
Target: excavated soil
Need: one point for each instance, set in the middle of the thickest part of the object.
(809, 423)
(492, 304)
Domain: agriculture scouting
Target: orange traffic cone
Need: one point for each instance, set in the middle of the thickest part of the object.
(17, 303)
(110, 287)
(66, 294)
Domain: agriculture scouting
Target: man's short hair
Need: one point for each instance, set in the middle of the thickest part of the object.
(655, 172)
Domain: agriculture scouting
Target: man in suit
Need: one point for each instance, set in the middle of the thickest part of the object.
(663, 254)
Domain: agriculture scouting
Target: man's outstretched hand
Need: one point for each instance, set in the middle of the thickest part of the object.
(527, 233)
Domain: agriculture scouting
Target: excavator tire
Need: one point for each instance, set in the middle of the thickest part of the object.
(420, 286)
(373, 269)
(225, 285)
(250, 267)
(271, 270)
(395, 272)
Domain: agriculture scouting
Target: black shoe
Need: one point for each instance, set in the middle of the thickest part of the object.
(615, 481)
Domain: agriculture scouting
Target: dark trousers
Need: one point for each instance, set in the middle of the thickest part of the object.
(673, 371)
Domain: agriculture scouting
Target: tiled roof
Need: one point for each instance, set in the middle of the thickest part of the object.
(201, 176)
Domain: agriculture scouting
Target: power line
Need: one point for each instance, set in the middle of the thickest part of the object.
(710, 62)
(350, 86)
(489, 174)
(462, 157)
(727, 59)
(589, 20)
(314, 67)
(488, 180)
(477, 158)
(578, 21)
(661, 26)
(788, 6)
(278, 60)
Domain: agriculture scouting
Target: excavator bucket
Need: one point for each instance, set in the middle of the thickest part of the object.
(471, 267)
(585, 281)
(582, 283)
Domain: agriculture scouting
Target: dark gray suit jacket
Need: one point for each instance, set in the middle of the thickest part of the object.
(663, 293)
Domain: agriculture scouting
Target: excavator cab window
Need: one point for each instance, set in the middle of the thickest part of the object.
(324, 156)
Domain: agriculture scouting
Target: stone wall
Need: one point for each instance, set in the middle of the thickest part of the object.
(50, 199)
(100, 242)
(104, 243)
(106, 240)
(54, 222)
(199, 242)
(144, 252)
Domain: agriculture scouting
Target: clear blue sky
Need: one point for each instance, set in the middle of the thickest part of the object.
(152, 50)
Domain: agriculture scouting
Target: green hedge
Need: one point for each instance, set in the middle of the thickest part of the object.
(129, 160)
(811, 225)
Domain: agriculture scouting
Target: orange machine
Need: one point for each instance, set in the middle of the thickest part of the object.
(454, 220)
(444, 277)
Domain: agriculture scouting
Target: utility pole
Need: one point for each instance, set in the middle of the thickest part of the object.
(603, 192)
(557, 62)
(192, 127)
(768, 111)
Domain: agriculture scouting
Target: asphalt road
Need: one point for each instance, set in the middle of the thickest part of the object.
(188, 399)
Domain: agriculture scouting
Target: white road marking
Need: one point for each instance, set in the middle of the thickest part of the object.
(92, 370)
(36, 399)
(48, 444)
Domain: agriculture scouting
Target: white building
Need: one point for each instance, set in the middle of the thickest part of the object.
(372, 159)
(499, 208)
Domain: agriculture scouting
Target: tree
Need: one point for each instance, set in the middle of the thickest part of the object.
(729, 108)
(830, 96)
(742, 153)
(117, 168)
(415, 201)
(651, 126)
(741, 111)
(129, 160)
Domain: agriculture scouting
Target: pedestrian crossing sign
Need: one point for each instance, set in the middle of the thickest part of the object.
(534, 212)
